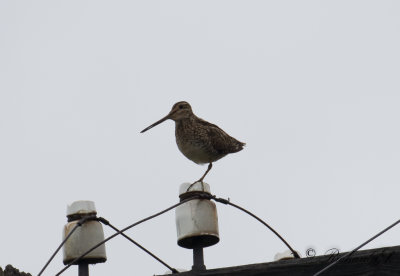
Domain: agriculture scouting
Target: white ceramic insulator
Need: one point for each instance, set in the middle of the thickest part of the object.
(284, 255)
(196, 220)
(84, 237)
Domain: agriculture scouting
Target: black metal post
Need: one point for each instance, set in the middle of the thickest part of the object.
(198, 259)
(83, 269)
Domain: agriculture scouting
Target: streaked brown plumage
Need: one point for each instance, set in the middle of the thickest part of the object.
(199, 140)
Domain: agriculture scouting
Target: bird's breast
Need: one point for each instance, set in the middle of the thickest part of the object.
(195, 153)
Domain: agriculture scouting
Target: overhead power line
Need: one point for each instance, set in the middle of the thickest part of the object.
(356, 249)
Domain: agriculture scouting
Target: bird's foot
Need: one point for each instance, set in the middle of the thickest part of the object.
(201, 179)
(191, 185)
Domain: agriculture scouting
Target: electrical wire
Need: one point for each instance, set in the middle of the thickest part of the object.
(80, 222)
(197, 196)
(228, 202)
(123, 230)
(355, 249)
(106, 222)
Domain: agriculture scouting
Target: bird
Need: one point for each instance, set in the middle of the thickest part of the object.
(198, 140)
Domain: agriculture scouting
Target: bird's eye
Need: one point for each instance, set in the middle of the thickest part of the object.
(181, 106)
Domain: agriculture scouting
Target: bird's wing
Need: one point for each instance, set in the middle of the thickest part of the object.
(220, 140)
(207, 124)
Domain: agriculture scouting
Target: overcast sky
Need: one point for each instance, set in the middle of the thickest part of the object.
(312, 87)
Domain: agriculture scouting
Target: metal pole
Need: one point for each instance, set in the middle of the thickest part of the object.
(83, 269)
(198, 259)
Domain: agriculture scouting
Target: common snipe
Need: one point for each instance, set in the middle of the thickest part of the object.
(199, 140)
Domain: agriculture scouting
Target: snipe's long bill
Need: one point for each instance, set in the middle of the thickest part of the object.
(197, 139)
(156, 123)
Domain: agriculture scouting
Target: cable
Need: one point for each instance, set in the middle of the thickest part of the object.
(125, 229)
(80, 222)
(197, 196)
(106, 222)
(355, 249)
(225, 201)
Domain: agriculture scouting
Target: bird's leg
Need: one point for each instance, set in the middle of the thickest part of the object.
(204, 175)
(201, 179)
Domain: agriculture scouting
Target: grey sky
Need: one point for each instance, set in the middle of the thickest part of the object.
(312, 87)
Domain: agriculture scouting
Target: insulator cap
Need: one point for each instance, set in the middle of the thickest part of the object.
(79, 209)
(286, 255)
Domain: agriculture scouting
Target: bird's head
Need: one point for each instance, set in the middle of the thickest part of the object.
(179, 111)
